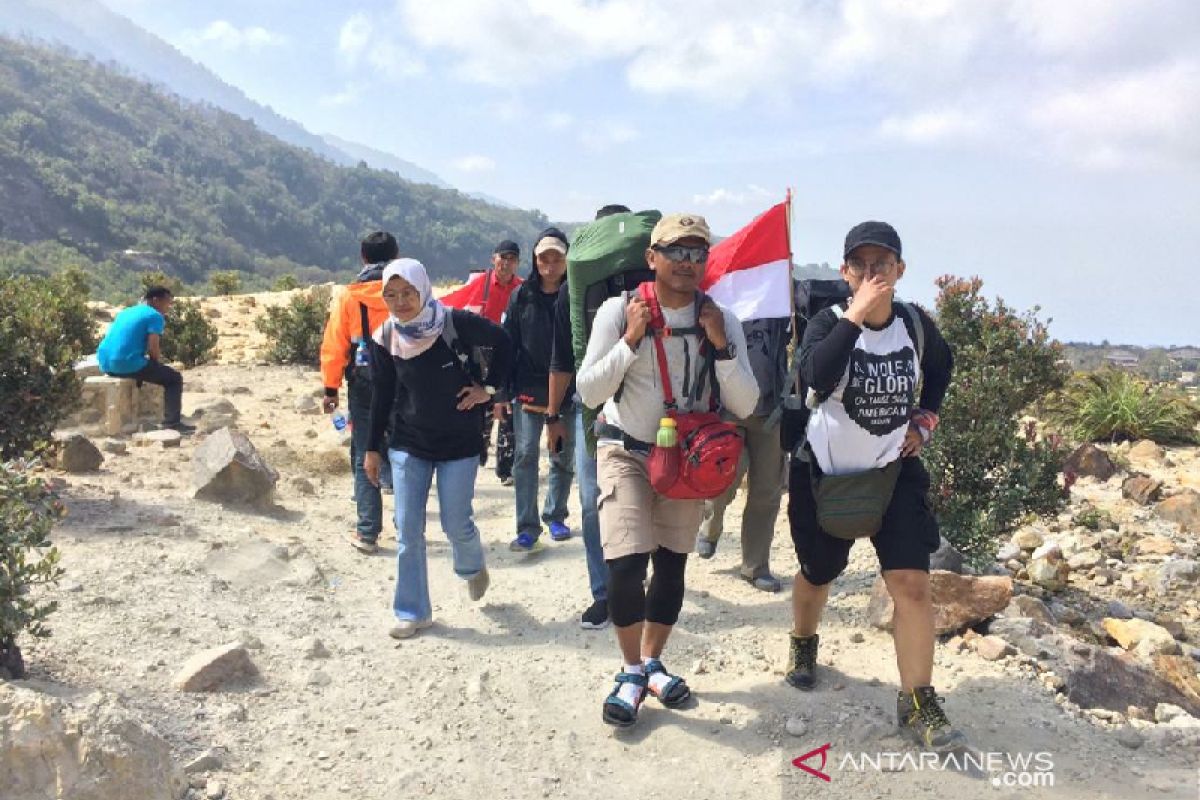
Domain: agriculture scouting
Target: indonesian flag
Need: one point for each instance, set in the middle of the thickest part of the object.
(750, 272)
(469, 296)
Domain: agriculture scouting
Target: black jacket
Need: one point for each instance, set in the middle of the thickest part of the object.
(529, 322)
(422, 392)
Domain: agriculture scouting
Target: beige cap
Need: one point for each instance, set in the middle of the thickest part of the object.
(673, 227)
(549, 243)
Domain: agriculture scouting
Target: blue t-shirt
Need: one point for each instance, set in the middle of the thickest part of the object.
(123, 350)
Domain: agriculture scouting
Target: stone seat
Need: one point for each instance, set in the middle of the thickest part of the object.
(117, 405)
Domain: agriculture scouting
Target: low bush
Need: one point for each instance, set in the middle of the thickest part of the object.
(45, 328)
(987, 471)
(294, 331)
(1112, 405)
(189, 337)
(28, 510)
(1094, 519)
(285, 283)
(160, 278)
(225, 282)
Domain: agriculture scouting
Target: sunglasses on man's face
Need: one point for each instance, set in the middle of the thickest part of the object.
(679, 253)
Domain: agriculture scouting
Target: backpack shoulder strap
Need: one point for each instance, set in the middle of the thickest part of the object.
(487, 287)
(449, 333)
(365, 321)
(918, 330)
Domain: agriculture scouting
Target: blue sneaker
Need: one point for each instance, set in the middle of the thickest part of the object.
(523, 543)
(559, 531)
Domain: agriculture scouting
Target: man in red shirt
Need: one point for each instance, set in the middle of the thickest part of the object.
(488, 296)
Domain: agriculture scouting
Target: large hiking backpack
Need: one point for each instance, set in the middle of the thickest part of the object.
(607, 259)
(799, 401)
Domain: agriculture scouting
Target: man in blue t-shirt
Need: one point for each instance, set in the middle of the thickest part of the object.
(131, 349)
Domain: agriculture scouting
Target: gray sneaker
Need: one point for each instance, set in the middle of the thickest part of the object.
(705, 548)
(764, 583)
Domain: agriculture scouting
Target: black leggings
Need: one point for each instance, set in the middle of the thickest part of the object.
(628, 601)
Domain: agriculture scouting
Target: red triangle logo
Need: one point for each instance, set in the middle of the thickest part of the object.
(823, 752)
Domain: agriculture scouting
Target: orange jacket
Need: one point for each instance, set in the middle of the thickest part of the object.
(345, 324)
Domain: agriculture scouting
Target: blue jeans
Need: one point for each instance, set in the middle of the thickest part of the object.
(366, 494)
(527, 430)
(589, 496)
(412, 478)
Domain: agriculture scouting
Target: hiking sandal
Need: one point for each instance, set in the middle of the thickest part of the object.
(619, 713)
(675, 693)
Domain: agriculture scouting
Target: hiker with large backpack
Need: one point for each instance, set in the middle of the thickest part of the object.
(661, 360)
(874, 371)
(529, 322)
(356, 312)
(434, 370)
(562, 390)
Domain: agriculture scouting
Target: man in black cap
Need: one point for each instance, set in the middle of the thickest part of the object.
(863, 365)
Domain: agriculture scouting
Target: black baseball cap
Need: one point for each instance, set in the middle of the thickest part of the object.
(506, 247)
(872, 232)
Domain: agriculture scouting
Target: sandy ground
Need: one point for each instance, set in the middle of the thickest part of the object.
(500, 698)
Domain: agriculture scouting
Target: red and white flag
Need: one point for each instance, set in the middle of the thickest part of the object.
(750, 272)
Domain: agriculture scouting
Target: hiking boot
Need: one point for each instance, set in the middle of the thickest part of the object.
(408, 628)
(705, 548)
(477, 585)
(802, 662)
(507, 480)
(919, 713)
(596, 616)
(524, 543)
(764, 583)
(363, 544)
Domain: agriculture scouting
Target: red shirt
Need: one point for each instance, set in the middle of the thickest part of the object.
(471, 297)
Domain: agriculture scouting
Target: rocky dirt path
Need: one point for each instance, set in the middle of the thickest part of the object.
(501, 698)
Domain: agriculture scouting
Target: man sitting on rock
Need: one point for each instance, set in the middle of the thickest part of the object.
(132, 349)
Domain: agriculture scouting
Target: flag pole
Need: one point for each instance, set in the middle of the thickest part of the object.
(791, 267)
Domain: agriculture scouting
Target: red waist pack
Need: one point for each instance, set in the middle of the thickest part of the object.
(704, 461)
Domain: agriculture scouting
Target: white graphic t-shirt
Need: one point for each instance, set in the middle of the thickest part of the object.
(862, 425)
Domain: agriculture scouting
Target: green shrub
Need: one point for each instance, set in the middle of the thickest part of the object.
(1112, 405)
(160, 278)
(189, 337)
(285, 283)
(294, 331)
(225, 282)
(986, 471)
(28, 509)
(1092, 518)
(45, 327)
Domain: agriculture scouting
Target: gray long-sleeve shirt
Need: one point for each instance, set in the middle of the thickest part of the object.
(609, 361)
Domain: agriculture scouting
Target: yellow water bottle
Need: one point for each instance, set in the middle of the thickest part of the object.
(667, 436)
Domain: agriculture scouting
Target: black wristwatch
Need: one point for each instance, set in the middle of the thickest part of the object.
(553, 418)
(726, 353)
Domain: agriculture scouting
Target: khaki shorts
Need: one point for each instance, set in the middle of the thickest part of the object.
(633, 517)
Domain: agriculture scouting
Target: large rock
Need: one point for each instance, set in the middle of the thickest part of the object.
(1175, 574)
(958, 600)
(1154, 546)
(227, 469)
(76, 453)
(1180, 672)
(1029, 607)
(1091, 461)
(1141, 636)
(92, 750)
(1146, 450)
(1141, 489)
(211, 669)
(947, 558)
(1029, 635)
(1109, 678)
(214, 415)
(1049, 573)
(1182, 508)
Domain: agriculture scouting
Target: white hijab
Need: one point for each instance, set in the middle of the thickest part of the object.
(410, 339)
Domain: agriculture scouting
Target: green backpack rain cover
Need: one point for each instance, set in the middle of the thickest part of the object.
(607, 257)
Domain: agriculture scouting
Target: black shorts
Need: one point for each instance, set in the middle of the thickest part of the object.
(908, 536)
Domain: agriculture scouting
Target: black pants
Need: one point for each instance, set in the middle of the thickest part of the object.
(169, 379)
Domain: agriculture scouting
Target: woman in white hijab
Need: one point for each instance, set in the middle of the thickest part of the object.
(433, 369)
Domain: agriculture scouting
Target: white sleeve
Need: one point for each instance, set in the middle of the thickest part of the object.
(608, 355)
(739, 389)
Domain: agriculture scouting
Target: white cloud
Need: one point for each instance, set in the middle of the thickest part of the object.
(474, 163)
(735, 197)
(346, 97)
(931, 127)
(360, 45)
(560, 121)
(227, 36)
(600, 136)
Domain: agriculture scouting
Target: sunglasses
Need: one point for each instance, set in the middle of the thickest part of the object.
(679, 253)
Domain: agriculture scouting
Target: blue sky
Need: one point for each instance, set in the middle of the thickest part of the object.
(1050, 146)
